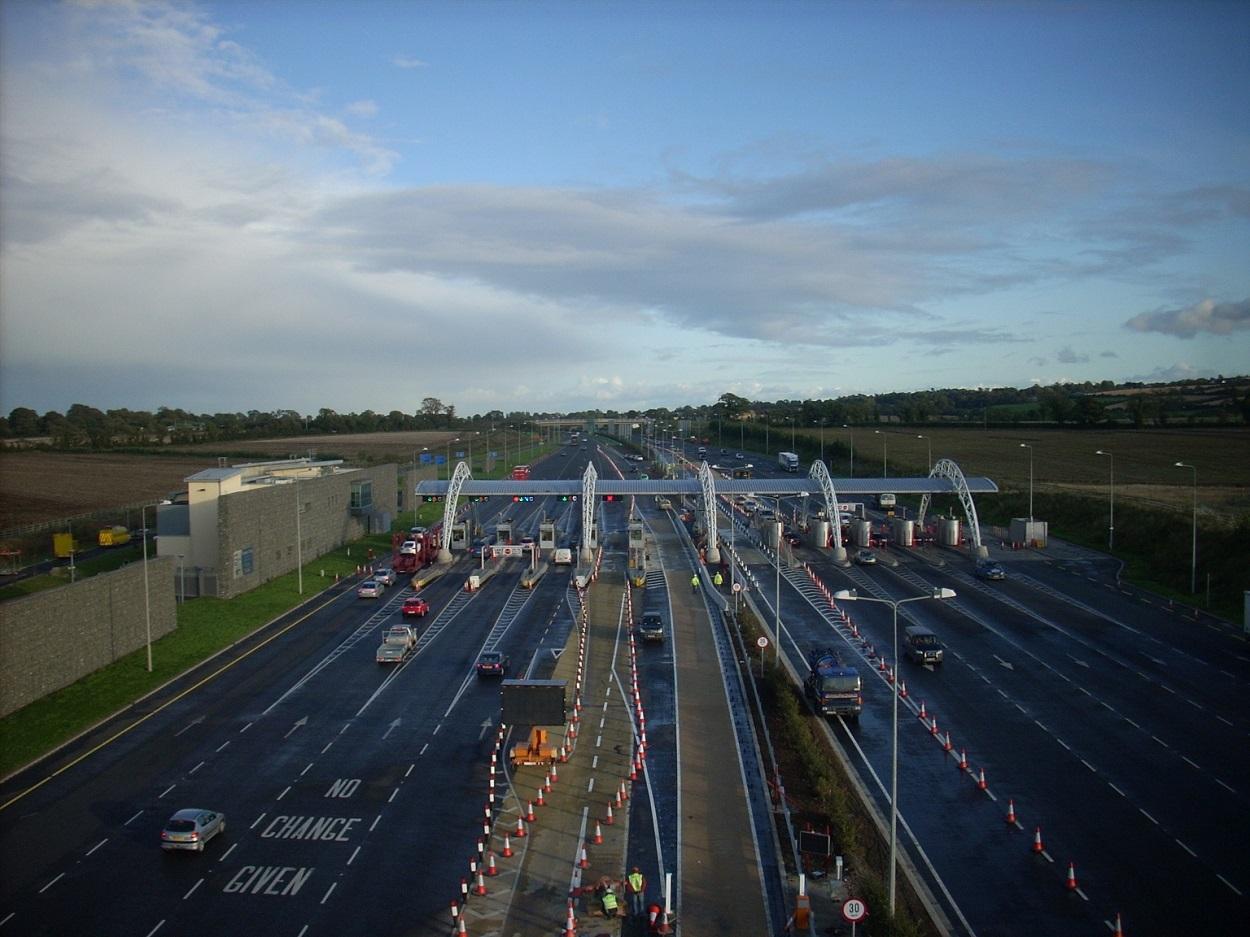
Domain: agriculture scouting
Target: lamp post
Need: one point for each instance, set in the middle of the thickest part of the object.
(457, 439)
(1193, 554)
(147, 602)
(792, 444)
(851, 430)
(1025, 445)
(885, 453)
(182, 582)
(822, 439)
(299, 543)
(850, 596)
(1111, 522)
(929, 446)
(777, 594)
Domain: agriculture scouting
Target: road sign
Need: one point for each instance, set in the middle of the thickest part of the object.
(854, 909)
(761, 642)
(737, 587)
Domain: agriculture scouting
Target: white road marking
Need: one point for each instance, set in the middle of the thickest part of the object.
(223, 745)
(374, 824)
(1148, 816)
(594, 762)
(222, 857)
(1160, 741)
(302, 931)
(196, 768)
(133, 819)
(598, 741)
(1191, 762)
(191, 891)
(1228, 883)
(256, 822)
(327, 748)
(423, 748)
(8, 917)
(307, 768)
(168, 789)
(436, 728)
(1116, 789)
(329, 890)
(284, 792)
(97, 845)
(1063, 743)
(156, 928)
(352, 857)
(1131, 722)
(51, 883)
(409, 771)
(591, 786)
(241, 731)
(392, 797)
(1088, 765)
(1231, 790)
(1187, 849)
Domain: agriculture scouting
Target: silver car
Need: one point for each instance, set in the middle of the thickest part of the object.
(192, 828)
(385, 575)
(865, 558)
(370, 589)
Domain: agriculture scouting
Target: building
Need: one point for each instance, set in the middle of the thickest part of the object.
(242, 525)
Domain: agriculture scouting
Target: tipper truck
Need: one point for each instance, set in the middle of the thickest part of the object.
(834, 688)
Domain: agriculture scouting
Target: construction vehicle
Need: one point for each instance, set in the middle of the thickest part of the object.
(115, 536)
(537, 750)
(834, 688)
(63, 546)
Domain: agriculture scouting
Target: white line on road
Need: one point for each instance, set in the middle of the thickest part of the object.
(256, 822)
(241, 731)
(1191, 762)
(329, 890)
(191, 891)
(594, 762)
(1116, 789)
(1187, 849)
(133, 819)
(598, 741)
(302, 931)
(374, 824)
(423, 748)
(223, 745)
(436, 728)
(156, 928)
(284, 792)
(1042, 727)
(1231, 790)
(1131, 722)
(352, 857)
(51, 883)
(167, 790)
(1063, 743)
(1160, 741)
(327, 748)
(8, 917)
(409, 771)
(307, 768)
(191, 725)
(222, 857)
(97, 845)
(392, 797)
(1228, 883)
(345, 727)
(591, 786)
(1148, 816)
(1088, 765)
(196, 768)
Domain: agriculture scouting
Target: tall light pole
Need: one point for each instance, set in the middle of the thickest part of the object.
(147, 602)
(929, 445)
(1111, 522)
(822, 439)
(299, 542)
(850, 596)
(851, 429)
(885, 453)
(1193, 554)
(1025, 445)
(792, 448)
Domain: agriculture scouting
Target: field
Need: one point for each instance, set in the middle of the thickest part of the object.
(355, 447)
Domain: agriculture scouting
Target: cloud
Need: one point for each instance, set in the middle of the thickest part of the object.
(1037, 361)
(1066, 355)
(1108, 354)
(1206, 316)
(407, 61)
(1180, 371)
(362, 108)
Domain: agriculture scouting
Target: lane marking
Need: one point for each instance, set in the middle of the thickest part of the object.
(241, 731)
(222, 857)
(156, 928)
(133, 819)
(1228, 883)
(97, 845)
(223, 745)
(1063, 743)
(392, 797)
(327, 748)
(256, 822)
(1231, 790)
(329, 891)
(410, 767)
(1160, 741)
(1191, 762)
(196, 768)
(423, 748)
(284, 793)
(591, 786)
(1187, 849)
(1088, 765)
(167, 790)
(192, 889)
(307, 768)
(1148, 816)
(51, 883)
(1116, 789)
(374, 824)
(8, 917)
(352, 857)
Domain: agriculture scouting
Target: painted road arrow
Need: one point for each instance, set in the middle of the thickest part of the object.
(302, 722)
(1007, 664)
(391, 728)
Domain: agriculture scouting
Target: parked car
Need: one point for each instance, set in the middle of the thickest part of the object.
(191, 829)
(739, 455)
(385, 575)
(492, 664)
(865, 557)
(370, 589)
(988, 569)
(415, 607)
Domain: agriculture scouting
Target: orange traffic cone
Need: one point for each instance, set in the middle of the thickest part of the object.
(1071, 884)
(609, 819)
(1011, 812)
(1118, 930)
(947, 745)
(460, 928)
(981, 785)
(963, 759)
(539, 799)
(583, 861)
(598, 837)
(520, 821)
(490, 864)
(1037, 840)
(902, 690)
(570, 923)
(922, 715)
(507, 845)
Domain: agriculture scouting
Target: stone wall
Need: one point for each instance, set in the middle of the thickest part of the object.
(52, 638)
(256, 528)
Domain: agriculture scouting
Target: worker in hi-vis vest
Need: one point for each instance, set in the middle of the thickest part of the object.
(635, 889)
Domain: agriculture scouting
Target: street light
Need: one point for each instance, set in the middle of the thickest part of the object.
(928, 445)
(299, 542)
(1111, 522)
(1193, 555)
(792, 449)
(147, 601)
(885, 453)
(822, 439)
(846, 595)
(457, 439)
(851, 429)
(1025, 445)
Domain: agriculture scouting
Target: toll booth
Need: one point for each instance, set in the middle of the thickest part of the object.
(547, 535)
(820, 533)
(861, 533)
(948, 531)
(503, 532)
(592, 536)
(459, 536)
(637, 551)
(904, 532)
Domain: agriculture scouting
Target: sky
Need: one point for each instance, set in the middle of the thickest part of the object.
(552, 206)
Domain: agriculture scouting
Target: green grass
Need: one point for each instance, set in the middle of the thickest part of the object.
(205, 626)
(103, 563)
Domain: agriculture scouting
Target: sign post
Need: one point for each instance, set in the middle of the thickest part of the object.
(854, 910)
(761, 642)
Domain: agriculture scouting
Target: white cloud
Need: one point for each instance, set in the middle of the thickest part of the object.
(1206, 316)
(408, 61)
(362, 109)
(1066, 355)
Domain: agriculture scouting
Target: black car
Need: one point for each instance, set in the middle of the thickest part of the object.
(651, 628)
(492, 664)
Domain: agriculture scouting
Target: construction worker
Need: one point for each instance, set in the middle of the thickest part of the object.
(718, 580)
(636, 889)
(611, 906)
(694, 583)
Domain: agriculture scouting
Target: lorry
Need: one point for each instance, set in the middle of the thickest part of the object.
(114, 536)
(414, 550)
(886, 502)
(520, 473)
(834, 687)
(788, 461)
(397, 643)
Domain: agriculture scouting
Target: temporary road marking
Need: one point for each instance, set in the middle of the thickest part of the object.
(51, 883)
(191, 891)
(392, 797)
(329, 890)
(591, 786)
(594, 762)
(256, 822)
(327, 748)
(196, 768)
(156, 928)
(133, 819)
(233, 847)
(97, 845)
(598, 741)
(223, 745)
(1148, 816)
(374, 824)
(284, 792)
(1228, 883)
(409, 771)
(352, 857)
(1187, 849)
(167, 790)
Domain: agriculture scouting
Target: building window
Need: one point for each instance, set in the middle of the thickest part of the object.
(362, 496)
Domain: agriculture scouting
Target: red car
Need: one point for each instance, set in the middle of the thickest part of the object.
(415, 607)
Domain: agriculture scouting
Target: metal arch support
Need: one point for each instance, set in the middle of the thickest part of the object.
(948, 469)
(708, 484)
(821, 474)
(458, 478)
(588, 510)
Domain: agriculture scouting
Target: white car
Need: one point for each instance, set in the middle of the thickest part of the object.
(408, 547)
(385, 575)
(370, 589)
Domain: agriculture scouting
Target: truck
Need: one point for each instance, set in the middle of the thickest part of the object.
(788, 461)
(886, 501)
(414, 550)
(114, 536)
(397, 643)
(520, 473)
(834, 687)
(63, 546)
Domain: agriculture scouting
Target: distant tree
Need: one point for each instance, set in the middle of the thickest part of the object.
(1057, 404)
(1089, 410)
(1245, 407)
(24, 421)
(732, 406)
(431, 406)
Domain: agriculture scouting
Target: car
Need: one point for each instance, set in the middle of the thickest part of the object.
(922, 645)
(492, 664)
(370, 589)
(415, 607)
(791, 537)
(865, 557)
(385, 575)
(526, 540)
(408, 548)
(724, 452)
(988, 569)
(651, 627)
(739, 455)
(191, 829)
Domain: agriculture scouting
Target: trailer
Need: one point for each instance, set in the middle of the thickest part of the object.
(788, 461)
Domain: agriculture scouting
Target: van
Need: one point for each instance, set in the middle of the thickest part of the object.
(922, 645)
(562, 556)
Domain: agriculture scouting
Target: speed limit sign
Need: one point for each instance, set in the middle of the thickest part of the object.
(737, 587)
(761, 642)
(854, 910)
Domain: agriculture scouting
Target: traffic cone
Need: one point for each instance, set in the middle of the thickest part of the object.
(520, 822)
(1011, 811)
(570, 923)
(1118, 930)
(933, 729)
(902, 689)
(460, 927)
(583, 861)
(1037, 840)
(981, 785)
(946, 745)
(963, 759)
(529, 809)
(922, 715)
(547, 782)
(598, 837)
(539, 799)
(480, 887)
(490, 864)
(1070, 884)
(624, 792)
(507, 845)
(609, 819)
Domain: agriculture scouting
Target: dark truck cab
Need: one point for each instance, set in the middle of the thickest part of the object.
(834, 688)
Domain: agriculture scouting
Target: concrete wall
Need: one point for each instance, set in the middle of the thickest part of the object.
(50, 639)
(256, 528)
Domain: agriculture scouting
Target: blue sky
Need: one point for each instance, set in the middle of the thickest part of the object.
(550, 206)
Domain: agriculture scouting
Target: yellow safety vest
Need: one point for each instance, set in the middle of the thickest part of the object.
(609, 901)
(694, 581)
(635, 882)
(717, 580)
